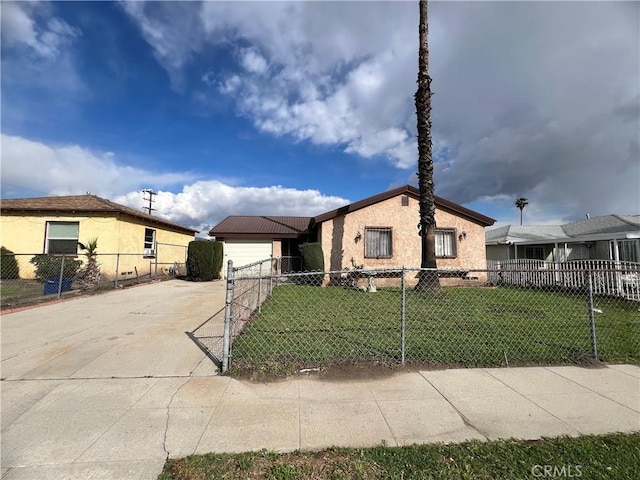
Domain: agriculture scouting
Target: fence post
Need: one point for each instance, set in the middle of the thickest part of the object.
(60, 277)
(260, 288)
(226, 339)
(592, 319)
(117, 268)
(156, 261)
(402, 316)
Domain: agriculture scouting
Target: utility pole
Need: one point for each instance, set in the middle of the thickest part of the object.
(151, 193)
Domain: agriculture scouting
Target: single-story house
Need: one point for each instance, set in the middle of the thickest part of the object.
(129, 240)
(608, 237)
(377, 232)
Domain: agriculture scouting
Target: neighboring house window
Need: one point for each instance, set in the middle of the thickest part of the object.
(445, 243)
(628, 250)
(534, 253)
(62, 237)
(149, 238)
(378, 243)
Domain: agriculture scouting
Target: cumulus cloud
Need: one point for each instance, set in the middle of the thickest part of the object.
(204, 204)
(72, 169)
(530, 99)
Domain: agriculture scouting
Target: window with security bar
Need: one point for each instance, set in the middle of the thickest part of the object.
(378, 242)
(445, 243)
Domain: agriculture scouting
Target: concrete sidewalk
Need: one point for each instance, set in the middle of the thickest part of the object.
(125, 428)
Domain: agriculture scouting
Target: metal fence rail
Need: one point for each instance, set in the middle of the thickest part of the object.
(312, 319)
(28, 278)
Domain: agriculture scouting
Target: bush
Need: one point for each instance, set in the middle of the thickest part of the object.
(9, 266)
(204, 261)
(312, 261)
(48, 266)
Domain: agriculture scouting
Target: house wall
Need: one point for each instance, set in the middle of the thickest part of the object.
(342, 249)
(25, 235)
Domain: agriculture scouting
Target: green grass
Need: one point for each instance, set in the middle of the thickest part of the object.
(307, 326)
(609, 457)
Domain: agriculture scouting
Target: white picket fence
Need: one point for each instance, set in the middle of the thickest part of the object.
(608, 277)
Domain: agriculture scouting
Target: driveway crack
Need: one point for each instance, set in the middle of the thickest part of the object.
(166, 427)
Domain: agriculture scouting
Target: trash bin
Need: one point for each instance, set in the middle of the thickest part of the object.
(51, 285)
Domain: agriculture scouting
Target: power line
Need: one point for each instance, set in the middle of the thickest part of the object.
(24, 188)
(151, 193)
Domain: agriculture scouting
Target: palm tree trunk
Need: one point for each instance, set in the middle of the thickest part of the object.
(428, 280)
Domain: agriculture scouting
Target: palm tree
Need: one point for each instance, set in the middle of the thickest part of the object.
(89, 276)
(521, 203)
(429, 278)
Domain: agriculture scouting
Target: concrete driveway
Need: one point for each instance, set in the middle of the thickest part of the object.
(72, 371)
(109, 386)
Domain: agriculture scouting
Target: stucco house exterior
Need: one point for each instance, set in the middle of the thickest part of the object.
(608, 237)
(377, 232)
(128, 240)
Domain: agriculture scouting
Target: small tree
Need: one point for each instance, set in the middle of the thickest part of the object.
(89, 275)
(312, 261)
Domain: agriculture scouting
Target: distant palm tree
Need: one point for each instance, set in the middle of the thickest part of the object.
(428, 279)
(521, 203)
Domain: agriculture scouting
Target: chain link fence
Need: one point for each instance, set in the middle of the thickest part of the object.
(29, 278)
(275, 321)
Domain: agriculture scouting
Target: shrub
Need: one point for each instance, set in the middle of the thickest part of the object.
(204, 261)
(312, 261)
(9, 267)
(48, 266)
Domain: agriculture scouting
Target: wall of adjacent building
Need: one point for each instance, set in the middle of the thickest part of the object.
(25, 235)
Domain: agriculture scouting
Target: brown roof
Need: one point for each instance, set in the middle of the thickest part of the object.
(236, 226)
(441, 203)
(83, 204)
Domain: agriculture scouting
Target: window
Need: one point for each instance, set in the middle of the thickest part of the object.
(62, 238)
(377, 243)
(628, 250)
(534, 253)
(405, 200)
(149, 238)
(445, 243)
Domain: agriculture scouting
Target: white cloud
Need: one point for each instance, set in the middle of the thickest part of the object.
(253, 62)
(530, 99)
(46, 37)
(204, 204)
(72, 169)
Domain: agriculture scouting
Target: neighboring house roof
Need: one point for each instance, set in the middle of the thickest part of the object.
(83, 204)
(596, 228)
(414, 192)
(603, 225)
(237, 226)
(525, 233)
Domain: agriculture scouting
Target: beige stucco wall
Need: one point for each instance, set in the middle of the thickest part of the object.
(338, 237)
(25, 236)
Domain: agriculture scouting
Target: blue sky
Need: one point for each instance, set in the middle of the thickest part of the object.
(297, 108)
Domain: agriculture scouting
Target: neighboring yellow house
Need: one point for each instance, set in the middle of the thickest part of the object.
(129, 241)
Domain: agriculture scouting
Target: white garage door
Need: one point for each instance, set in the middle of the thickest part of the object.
(244, 252)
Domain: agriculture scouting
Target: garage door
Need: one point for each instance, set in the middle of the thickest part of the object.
(244, 252)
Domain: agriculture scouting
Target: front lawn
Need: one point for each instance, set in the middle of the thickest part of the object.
(307, 326)
(607, 457)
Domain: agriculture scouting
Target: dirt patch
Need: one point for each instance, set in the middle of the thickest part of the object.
(372, 370)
